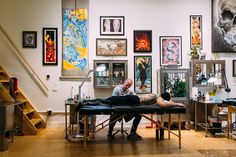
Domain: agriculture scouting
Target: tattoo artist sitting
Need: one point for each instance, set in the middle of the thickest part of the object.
(123, 90)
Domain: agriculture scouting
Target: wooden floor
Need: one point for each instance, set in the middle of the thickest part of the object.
(50, 142)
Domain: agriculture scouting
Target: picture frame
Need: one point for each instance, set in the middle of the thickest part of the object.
(50, 46)
(142, 41)
(170, 50)
(112, 25)
(223, 32)
(142, 74)
(29, 39)
(196, 31)
(111, 47)
(234, 68)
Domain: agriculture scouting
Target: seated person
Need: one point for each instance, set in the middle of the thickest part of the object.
(123, 90)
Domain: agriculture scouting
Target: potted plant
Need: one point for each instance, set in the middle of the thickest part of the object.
(195, 52)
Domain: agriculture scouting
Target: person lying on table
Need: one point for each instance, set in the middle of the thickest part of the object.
(164, 100)
(123, 90)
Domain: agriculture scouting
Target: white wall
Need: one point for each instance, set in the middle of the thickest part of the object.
(164, 18)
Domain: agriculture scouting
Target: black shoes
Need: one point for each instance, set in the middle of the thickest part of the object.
(110, 136)
(134, 136)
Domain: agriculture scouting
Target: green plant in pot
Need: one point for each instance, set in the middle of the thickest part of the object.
(195, 52)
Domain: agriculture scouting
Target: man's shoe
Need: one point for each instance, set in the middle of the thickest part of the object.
(134, 136)
(110, 136)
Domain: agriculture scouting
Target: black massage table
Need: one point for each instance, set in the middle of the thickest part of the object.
(231, 104)
(99, 109)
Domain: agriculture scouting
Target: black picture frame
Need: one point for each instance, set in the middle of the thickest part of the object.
(142, 40)
(234, 68)
(50, 46)
(112, 25)
(29, 39)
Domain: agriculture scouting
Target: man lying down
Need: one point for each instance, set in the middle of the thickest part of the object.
(163, 100)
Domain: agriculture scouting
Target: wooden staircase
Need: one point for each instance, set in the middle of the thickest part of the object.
(25, 113)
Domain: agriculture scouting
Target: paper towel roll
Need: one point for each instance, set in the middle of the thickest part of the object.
(194, 92)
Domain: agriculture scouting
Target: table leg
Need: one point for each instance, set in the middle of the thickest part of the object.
(179, 121)
(206, 127)
(195, 123)
(85, 130)
(228, 121)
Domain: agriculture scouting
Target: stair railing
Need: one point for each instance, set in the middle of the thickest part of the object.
(26, 64)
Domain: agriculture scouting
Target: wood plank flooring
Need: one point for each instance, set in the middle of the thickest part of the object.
(50, 142)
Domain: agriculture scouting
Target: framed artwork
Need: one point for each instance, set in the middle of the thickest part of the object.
(143, 41)
(234, 68)
(111, 47)
(223, 26)
(142, 74)
(50, 46)
(196, 31)
(171, 50)
(29, 39)
(112, 25)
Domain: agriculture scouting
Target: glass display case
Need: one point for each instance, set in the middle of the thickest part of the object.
(208, 73)
(175, 81)
(114, 74)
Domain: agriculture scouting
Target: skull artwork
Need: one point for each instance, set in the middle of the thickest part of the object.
(227, 20)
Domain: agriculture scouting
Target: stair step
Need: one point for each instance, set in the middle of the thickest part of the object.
(2, 71)
(28, 110)
(22, 100)
(36, 121)
(4, 81)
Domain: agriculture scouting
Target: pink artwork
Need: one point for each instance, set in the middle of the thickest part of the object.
(170, 51)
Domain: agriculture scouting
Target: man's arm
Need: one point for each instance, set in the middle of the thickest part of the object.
(162, 103)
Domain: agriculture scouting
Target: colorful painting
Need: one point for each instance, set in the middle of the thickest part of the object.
(142, 74)
(196, 31)
(75, 41)
(142, 41)
(171, 50)
(111, 47)
(223, 26)
(49, 46)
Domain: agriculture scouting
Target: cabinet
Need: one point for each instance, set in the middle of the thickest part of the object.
(175, 81)
(114, 74)
(208, 72)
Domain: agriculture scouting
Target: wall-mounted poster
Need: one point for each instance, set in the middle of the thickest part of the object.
(196, 31)
(49, 46)
(223, 26)
(143, 41)
(142, 74)
(171, 50)
(75, 42)
(29, 39)
(111, 47)
(112, 25)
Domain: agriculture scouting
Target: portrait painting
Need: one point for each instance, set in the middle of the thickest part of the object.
(196, 31)
(29, 39)
(50, 46)
(142, 74)
(111, 47)
(223, 26)
(171, 50)
(112, 25)
(143, 41)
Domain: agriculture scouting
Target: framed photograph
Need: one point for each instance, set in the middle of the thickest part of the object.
(29, 39)
(234, 68)
(170, 50)
(111, 47)
(196, 31)
(142, 74)
(223, 26)
(142, 41)
(50, 46)
(112, 25)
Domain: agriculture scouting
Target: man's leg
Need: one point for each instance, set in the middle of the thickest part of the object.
(133, 134)
(113, 118)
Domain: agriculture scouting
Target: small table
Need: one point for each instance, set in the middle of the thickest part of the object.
(205, 103)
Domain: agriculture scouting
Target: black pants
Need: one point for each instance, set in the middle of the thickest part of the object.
(137, 119)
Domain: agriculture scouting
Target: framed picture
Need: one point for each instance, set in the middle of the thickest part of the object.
(234, 68)
(223, 26)
(171, 50)
(142, 74)
(142, 41)
(112, 25)
(111, 47)
(196, 31)
(50, 46)
(29, 39)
